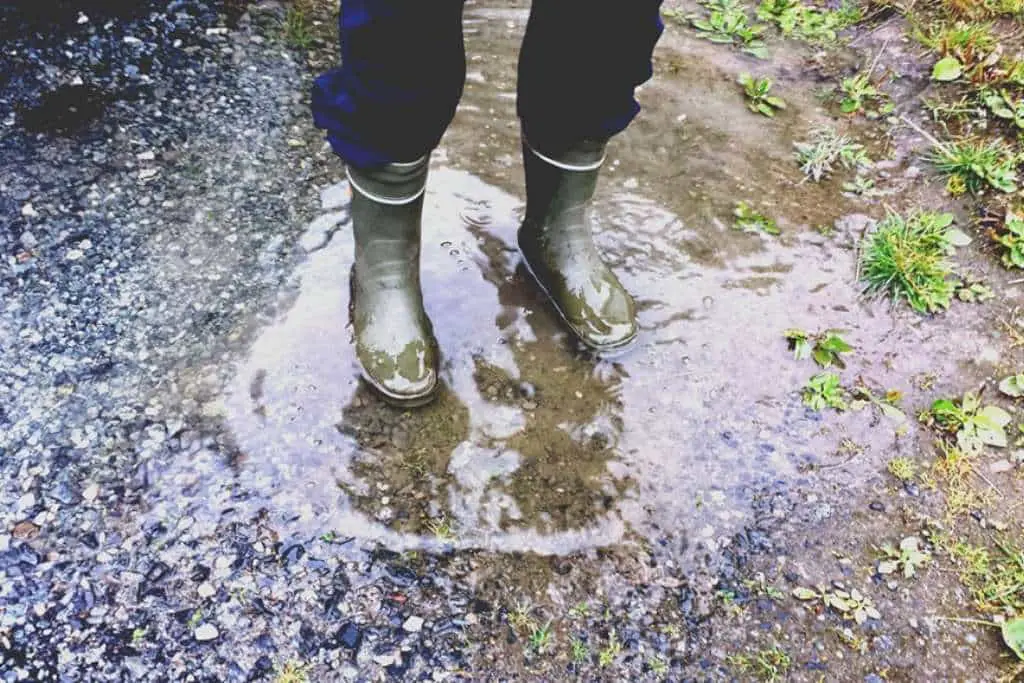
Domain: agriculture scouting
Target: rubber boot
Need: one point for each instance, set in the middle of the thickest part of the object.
(557, 245)
(395, 341)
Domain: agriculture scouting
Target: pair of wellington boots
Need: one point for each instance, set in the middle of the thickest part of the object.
(394, 339)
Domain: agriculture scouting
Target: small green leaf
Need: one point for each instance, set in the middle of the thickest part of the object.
(801, 593)
(994, 415)
(835, 344)
(947, 69)
(888, 566)
(892, 412)
(958, 238)
(1013, 386)
(1013, 635)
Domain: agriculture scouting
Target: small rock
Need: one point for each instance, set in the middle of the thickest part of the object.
(90, 492)
(384, 660)
(25, 530)
(1000, 466)
(28, 240)
(206, 590)
(413, 624)
(29, 211)
(206, 632)
(350, 636)
(877, 506)
(26, 502)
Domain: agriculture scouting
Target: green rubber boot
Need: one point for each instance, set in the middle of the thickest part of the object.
(394, 338)
(559, 250)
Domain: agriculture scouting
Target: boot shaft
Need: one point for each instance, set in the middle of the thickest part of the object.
(561, 185)
(387, 207)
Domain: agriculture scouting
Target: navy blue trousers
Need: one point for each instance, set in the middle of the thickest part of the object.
(404, 64)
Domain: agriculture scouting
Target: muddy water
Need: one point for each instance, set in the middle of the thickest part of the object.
(533, 445)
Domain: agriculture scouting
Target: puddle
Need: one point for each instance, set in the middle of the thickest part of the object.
(533, 446)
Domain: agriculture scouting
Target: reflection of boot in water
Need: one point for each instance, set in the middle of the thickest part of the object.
(559, 250)
(394, 339)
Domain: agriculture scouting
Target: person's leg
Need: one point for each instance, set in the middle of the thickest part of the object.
(402, 71)
(384, 110)
(580, 65)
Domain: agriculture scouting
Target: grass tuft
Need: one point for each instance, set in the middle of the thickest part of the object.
(974, 165)
(769, 664)
(907, 259)
(827, 149)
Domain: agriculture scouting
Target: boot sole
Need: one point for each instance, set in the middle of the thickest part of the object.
(606, 350)
(400, 401)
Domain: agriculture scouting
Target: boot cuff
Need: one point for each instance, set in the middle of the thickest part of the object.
(393, 183)
(586, 155)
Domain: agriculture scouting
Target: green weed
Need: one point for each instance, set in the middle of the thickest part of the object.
(956, 470)
(887, 404)
(806, 22)
(297, 32)
(658, 665)
(819, 156)
(906, 558)
(974, 292)
(824, 391)
(759, 100)
(907, 258)
(1013, 240)
(293, 672)
(1005, 106)
(749, 220)
(861, 96)
(973, 165)
(969, 42)
(902, 468)
(983, 9)
(608, 653)
(521, 617)
(442, 528)
(579, 610)
(727, 23)
(851, 604)
(1013, 385)
(824, 347)
(579, 652)
(994, 577)
(862, 186)
(974, 426)
(541, 638)
(769, 664)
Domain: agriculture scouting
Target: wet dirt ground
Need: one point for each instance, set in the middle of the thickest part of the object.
(212, 494)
